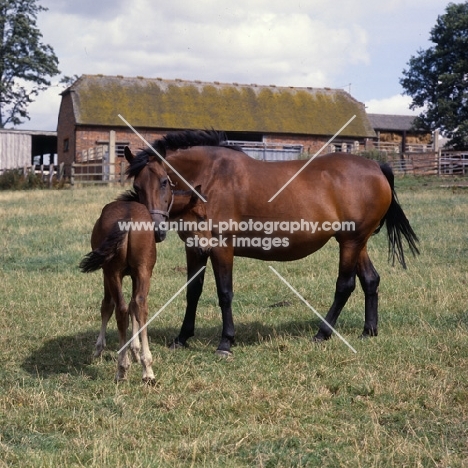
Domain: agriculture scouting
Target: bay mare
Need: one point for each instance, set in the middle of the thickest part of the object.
(333, 189)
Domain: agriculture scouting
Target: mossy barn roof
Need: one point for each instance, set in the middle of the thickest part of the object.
(178, 104)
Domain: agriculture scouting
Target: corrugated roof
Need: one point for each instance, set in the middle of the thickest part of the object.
(391, 122)
(178, 104)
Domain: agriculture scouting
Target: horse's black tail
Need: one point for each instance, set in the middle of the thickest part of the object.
(95, 259)
(397, 225)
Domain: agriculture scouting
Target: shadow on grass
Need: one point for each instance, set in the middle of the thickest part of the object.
(248, 334)
(73, 354)
(70, 354)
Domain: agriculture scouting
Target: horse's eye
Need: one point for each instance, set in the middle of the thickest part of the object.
(163, 183)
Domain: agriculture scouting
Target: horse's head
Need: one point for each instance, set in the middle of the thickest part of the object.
(152, 186)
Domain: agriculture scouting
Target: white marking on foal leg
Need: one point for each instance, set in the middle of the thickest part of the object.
(101, 342)
(135, 343)
(107, 308)
(146, 358)
(123, 364)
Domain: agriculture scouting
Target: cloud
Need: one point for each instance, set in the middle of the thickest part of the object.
(44, 110)
(266, 43)
(103, 9)
(397, 105)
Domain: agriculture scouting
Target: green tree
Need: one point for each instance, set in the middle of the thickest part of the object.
(25, 63)
(437, 78)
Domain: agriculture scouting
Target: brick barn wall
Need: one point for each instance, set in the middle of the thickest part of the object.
(66, 131)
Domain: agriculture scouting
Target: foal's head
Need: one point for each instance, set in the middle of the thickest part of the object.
(152, 187)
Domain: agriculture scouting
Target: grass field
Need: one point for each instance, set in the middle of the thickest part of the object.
(281, 401)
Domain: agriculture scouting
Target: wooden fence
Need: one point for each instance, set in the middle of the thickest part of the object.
(434, 163)
(98, 172)
(76, 174)
(48, 174)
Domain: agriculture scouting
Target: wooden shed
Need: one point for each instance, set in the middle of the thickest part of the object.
(20, 148)
(398, 134)
(304, 118)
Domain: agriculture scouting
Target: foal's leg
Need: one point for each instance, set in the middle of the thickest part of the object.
(369, 279)
(345, 285)
(107, 308)
(195, 261)
(121, 315)
(138, 310)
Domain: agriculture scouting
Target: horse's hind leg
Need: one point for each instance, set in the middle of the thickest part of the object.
(107, 308)
(138, 309)
(345, 285)
(121, 315)
(369, 279)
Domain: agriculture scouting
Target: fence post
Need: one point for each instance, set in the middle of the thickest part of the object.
(122, 173)
(72, 175)
(51, 174)
(61, 171)
(112, 155)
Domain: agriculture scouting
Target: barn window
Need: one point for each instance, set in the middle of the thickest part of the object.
(66, 145)
(120, 148)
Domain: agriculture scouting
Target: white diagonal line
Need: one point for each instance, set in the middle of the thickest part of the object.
(159, 156)
(312, 158)
(162, 308)
(312, 309)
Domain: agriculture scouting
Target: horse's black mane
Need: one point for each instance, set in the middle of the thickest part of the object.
(178, 140)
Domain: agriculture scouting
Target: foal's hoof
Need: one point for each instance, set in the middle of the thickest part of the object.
(223, 353)
(150, 381)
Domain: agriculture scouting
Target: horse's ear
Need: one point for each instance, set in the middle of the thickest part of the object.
(128, 154)
(194, 197)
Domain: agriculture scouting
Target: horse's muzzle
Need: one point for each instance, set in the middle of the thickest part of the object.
(159, 217)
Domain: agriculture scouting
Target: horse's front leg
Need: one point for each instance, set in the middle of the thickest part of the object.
(222, 260)
(195, 261)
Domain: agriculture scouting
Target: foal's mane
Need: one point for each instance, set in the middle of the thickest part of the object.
(128, 196)
(178, 140)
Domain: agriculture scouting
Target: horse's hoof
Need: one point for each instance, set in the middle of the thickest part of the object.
(319, 338)
(223, 353)
(367, 336)
(177, 345)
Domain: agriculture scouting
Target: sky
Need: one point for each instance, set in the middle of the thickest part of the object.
(361, 46)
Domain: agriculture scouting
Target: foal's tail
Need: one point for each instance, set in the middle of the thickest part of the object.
(95, 259)
(397, 225)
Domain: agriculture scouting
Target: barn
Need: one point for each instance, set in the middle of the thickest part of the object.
(24, 148)
(399, 134)
(270, 122)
